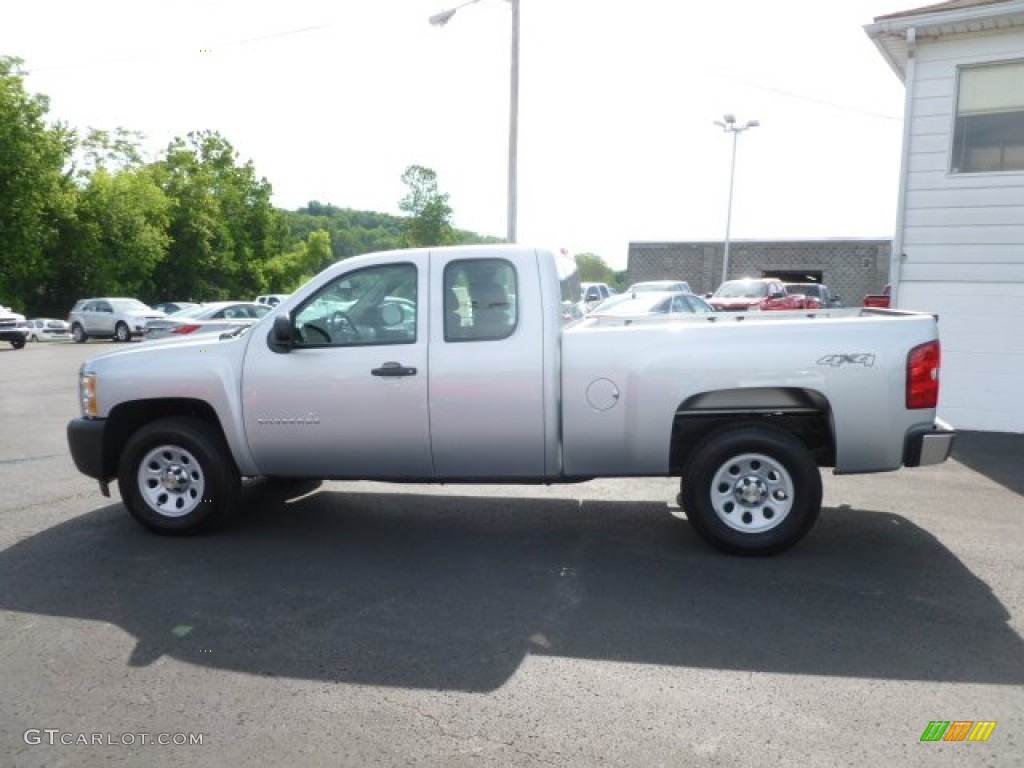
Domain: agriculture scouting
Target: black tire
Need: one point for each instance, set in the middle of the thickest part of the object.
(177, 476)
(78, 334)
(751, 489)
(121, 332)
(17, 343)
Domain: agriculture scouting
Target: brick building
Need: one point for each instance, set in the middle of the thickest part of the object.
(850, 267)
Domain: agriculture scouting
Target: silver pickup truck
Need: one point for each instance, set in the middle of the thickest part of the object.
(471, 364)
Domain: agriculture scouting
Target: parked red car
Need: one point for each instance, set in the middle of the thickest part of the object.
(754, 294)
(882, 299)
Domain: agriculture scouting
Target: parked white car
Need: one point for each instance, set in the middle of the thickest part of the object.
(48, 329)
(215, 317)
(13, 327)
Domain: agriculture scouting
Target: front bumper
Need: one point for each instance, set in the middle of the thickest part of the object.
(929, 445)
(86, 441)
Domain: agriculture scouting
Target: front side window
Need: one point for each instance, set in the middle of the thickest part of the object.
(989, 132)
(376, 305)
(479, 300)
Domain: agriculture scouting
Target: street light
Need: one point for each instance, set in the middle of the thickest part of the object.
(442, 18)
(729, 125)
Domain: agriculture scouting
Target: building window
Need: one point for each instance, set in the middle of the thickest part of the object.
(989, 131)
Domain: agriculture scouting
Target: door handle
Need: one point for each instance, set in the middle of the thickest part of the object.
(393, 369)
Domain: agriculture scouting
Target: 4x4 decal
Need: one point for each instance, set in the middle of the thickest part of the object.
(857, 358)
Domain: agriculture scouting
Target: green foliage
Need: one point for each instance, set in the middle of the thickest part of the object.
(33, 187)
(593, 269)
(222, 226)
(289, 270)
(85, 216)
(351, 232)
(430, 215)
(116, 238)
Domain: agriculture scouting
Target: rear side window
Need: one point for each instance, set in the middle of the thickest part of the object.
(480, 300)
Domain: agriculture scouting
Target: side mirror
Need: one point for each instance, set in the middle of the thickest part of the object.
(281, 333)
(777, 295)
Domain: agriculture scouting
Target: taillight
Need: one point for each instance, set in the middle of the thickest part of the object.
(186, 328)
(923, 375)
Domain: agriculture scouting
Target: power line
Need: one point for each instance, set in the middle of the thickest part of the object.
(78, 63)
(801, 97)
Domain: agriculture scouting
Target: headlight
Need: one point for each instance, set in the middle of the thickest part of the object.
(87, 394)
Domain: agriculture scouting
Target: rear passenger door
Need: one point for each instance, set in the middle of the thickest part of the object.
(487, 367)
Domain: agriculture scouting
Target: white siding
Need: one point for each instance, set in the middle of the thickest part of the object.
(982, 332)
(963, 245)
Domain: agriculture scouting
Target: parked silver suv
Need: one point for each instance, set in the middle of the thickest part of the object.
(118, 319)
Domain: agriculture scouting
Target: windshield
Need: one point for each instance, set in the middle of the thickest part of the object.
(660, 286)
(634, 305)
(129, 305)
(190, 311)
(741, 289)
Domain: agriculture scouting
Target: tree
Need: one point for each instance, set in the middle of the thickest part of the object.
(287, 271)
(430, 215)
(593, 269)
(223, 228)
(34, 191)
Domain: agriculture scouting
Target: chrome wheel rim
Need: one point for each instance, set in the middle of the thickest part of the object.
(171, 481)
(752, 493)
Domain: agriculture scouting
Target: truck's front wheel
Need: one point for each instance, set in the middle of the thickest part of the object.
(176, 476)
(751, 489)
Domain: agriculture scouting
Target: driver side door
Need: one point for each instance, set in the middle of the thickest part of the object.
(348, 399)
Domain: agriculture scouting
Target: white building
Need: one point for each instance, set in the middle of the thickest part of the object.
(958, 248)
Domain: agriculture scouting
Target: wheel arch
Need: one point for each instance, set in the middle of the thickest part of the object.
(127, 418)
(805, 413)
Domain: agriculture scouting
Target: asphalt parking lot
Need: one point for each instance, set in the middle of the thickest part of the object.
(370, 624)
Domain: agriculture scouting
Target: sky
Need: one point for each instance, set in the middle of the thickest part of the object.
(332, 99)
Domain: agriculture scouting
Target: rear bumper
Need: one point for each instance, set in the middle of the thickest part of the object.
(85, 439)
(929, 445)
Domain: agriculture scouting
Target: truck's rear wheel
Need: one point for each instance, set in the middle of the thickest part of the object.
(176, 476)
(17, 343)
(751, 489)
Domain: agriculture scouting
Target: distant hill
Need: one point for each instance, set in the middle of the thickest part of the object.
(354, 232)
